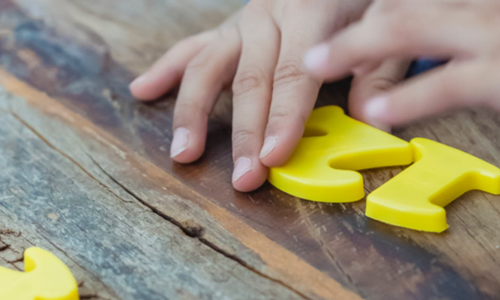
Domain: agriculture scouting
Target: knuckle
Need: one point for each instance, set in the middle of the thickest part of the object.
(284, 112)
(247, 81)
(242, 136)
(197, 64)
(383, 83)
(288, 73)
(190, 110)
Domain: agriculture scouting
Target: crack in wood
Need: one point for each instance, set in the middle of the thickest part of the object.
(193, 230)
(9, 232)
(3, 246)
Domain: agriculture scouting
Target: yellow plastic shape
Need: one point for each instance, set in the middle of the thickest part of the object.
(415, 198)
(46, 278)
(324, 164)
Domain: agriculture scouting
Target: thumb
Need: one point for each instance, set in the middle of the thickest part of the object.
(370, 82)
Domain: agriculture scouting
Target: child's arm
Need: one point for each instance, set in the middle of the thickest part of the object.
(259, 52)
(466, 32)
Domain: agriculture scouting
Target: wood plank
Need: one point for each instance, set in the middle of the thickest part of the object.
(47, 199)
(44, 42)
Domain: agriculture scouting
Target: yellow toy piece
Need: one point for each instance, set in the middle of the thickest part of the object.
(46, 278)
(332, 145)
(415, 198)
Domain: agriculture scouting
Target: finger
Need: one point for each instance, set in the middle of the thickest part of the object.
(294, 90)
(366, 68)
(366, 86)
(203, 80)
(405, 30)
(252, 90)
(435, 91)
(167, 71)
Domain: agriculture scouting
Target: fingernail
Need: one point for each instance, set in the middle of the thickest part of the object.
(268, 147)
(241, 167)
(137, 81)
(180, 141)
(316, 57)
(375, 111)
(376, 108)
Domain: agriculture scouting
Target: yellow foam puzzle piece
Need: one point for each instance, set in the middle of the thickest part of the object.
(324, 164)
(415, 198)
(46, 278)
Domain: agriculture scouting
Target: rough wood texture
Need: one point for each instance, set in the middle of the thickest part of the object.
(135, 251)
(86, 174)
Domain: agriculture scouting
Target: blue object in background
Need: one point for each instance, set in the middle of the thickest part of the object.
(422, 65)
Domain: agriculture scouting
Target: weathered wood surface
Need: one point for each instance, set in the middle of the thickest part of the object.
(86, 174)
(136, 252)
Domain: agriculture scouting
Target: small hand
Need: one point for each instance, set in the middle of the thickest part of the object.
(259, 51)
(465, 32)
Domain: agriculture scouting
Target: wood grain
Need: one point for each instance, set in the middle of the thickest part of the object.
(138, 257)
(66, 68)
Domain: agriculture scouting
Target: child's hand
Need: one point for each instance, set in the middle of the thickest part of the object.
(259, 50)
(466, 32)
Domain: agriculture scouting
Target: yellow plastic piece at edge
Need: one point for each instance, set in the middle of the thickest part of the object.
(46, 278)
(415, 198)
(322, 167)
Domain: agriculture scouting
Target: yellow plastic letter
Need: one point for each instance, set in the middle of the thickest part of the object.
(415, 198)
(46, 278)
(322, 167)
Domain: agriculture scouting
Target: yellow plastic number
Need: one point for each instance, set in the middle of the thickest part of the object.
(334, 146)
(415, 198)
(46, 278)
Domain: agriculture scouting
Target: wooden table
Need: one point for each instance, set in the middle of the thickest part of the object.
(86, 174)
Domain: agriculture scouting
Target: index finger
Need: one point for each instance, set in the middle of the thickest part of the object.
(432, 28)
